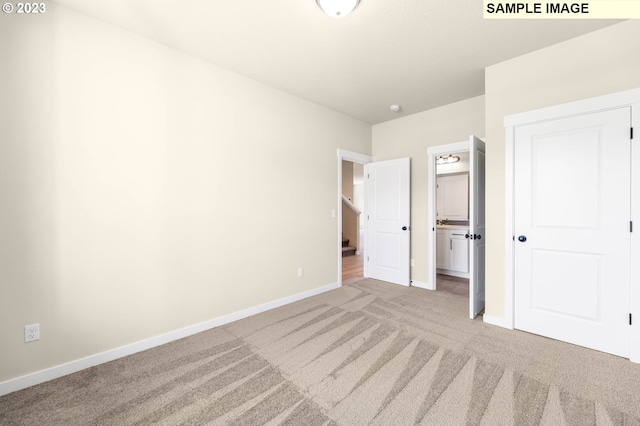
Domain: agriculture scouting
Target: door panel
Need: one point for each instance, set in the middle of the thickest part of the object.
(572, 208)
(387, 186)
(384, 257)
(579, 274)
(560, 198)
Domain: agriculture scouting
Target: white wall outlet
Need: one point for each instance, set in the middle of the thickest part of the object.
(333, 212)
(31, 333)
(413, 262)
(300, 272)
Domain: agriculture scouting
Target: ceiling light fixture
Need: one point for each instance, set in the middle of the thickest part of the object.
(395, 108)
(337, 8)
(447, 159)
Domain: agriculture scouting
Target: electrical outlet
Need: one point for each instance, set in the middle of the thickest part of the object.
(300, 272)
(31, 333)
(413, 262)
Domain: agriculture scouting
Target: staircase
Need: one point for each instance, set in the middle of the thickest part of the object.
(347, 250)
(350, 226)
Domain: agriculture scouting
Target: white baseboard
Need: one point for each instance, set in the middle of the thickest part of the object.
(110, 355)
(500, 322)
(419, 284)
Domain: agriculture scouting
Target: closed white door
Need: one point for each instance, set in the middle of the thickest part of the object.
(477, 237)
(387, 209)
(572, 229)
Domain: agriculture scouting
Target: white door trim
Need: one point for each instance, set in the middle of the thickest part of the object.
(634, 304)
(584, 106)
(432, 153)
(354, 157)
(615, 100)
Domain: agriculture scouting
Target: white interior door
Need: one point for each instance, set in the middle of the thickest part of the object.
(572, 229)
(477, 238)
(387, 210)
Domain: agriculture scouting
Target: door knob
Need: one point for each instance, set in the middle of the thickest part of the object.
(404, 228)
(467, 235)
(522, 238)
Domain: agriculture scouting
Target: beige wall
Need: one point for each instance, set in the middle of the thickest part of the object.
(144, 191)
(410, 136)
(598, 63)
(347, 179)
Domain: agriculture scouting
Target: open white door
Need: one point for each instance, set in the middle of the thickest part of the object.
(476, 234)
(387, 215)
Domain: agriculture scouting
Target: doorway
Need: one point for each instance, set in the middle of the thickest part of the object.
(452, 223)
(353, 236)
(351, 267)
(388, 219)
(457, 220)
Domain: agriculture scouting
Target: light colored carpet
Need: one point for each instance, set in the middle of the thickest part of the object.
(368, 353)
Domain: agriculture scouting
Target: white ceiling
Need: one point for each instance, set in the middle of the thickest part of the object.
(417, 53)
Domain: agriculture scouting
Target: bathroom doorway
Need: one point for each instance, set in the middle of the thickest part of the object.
(457, 221)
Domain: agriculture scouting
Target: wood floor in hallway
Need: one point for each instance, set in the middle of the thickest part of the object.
(352, 269)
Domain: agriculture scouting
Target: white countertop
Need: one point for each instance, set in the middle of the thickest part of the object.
(452, 227)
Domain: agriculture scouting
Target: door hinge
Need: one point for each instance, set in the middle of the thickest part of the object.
(632, 133)
(367, 258)
(630, 319)
(631, 226)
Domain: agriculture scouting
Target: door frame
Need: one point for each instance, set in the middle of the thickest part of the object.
(354, 157)
(628, 98)
(432, 153)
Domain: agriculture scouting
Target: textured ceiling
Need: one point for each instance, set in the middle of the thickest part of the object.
(417, 53)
